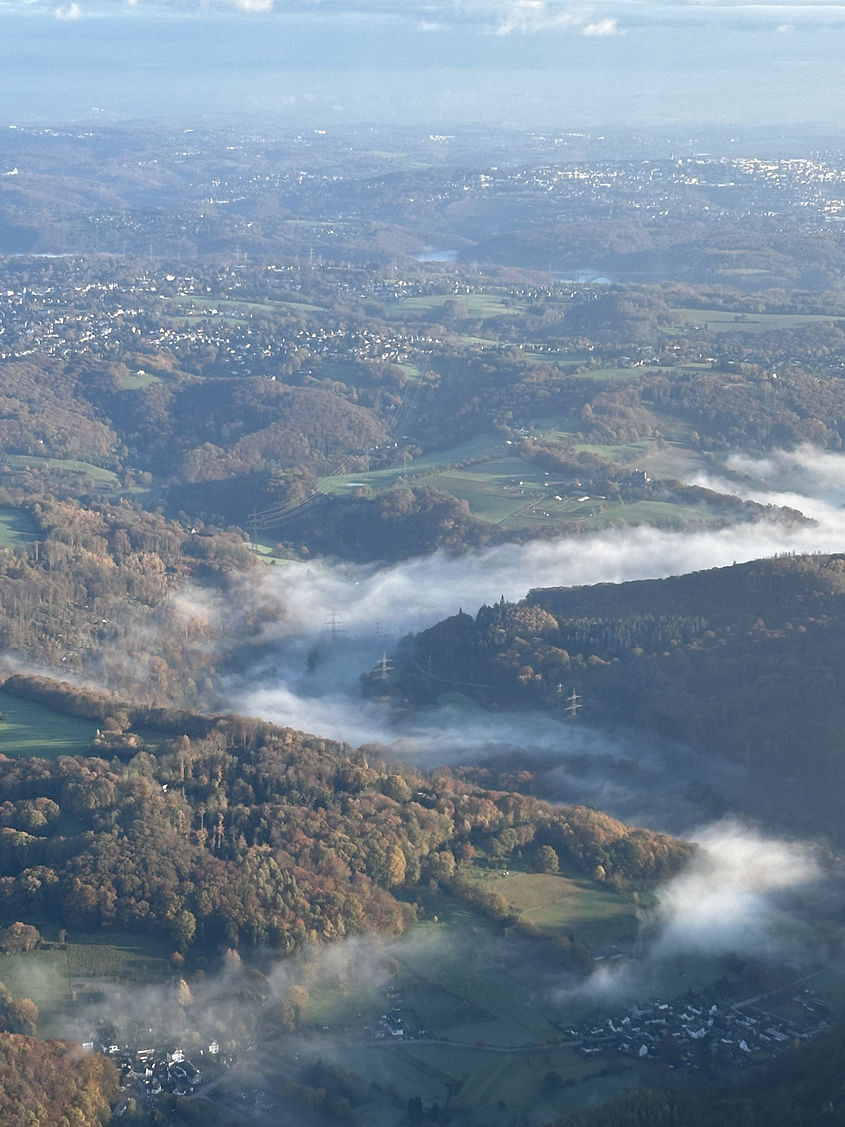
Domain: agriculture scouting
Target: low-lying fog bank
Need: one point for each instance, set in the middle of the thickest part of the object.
(341, 620)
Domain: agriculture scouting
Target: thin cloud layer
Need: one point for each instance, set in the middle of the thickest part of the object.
(409, 596)
(745, 893)
(341, 620)
(608, 26)
(572, 64)
(499, 17)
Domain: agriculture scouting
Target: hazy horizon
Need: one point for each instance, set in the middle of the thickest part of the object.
(522, 64)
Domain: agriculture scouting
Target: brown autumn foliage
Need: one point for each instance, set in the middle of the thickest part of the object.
(55, 1083)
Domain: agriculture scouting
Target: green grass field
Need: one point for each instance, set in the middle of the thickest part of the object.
(726, 320)
(495, 1006)
(628, 453)
(140, 379)
(64, 465)
(503, 489)
(659, 514)
(428, 464)
(16, 527)
(613, 373)
(495, 490)
(30, 729)
(42, 976)
(466, 305)
(53, 976)
(119, 957)
(201, 305)
(562, 905)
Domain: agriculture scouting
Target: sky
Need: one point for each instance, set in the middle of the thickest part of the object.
(518, 63)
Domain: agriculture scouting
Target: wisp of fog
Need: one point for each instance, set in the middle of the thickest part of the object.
(744, 893)
(341, 619)
(734, 895)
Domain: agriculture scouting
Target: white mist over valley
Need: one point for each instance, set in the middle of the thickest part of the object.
(340, 620)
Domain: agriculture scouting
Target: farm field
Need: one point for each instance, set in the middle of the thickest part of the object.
(629, 452)
(41, 975)
(30, 729)
(65, 465)
(504, 489)
(563, 905)
(119, 956)
(634, 372)
(660, 514)
(726, 320)
(484, 445)
(466, 305)
(201, 305)
(58, 978)
(495, 1008)
(133, 381)
(494, 490)
(16, 527)
(486, 1084)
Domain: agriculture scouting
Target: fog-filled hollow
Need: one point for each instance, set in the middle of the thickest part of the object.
(340, 620)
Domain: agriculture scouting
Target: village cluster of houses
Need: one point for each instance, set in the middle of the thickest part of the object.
(64, 318)
(147, 1073)
(683, 1031)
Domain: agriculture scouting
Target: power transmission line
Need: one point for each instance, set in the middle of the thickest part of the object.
(334, 626)
(572, 701)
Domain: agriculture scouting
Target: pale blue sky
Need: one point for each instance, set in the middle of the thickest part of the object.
(560, 63)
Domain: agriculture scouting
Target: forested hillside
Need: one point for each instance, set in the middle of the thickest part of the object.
(52, 1082)
(94, 589)
(744, 663)
(247, 834)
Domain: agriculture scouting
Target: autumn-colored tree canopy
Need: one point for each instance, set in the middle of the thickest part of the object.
(53, 1084)
(245, 833)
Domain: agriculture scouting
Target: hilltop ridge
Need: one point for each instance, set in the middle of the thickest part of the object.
(743, 663)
